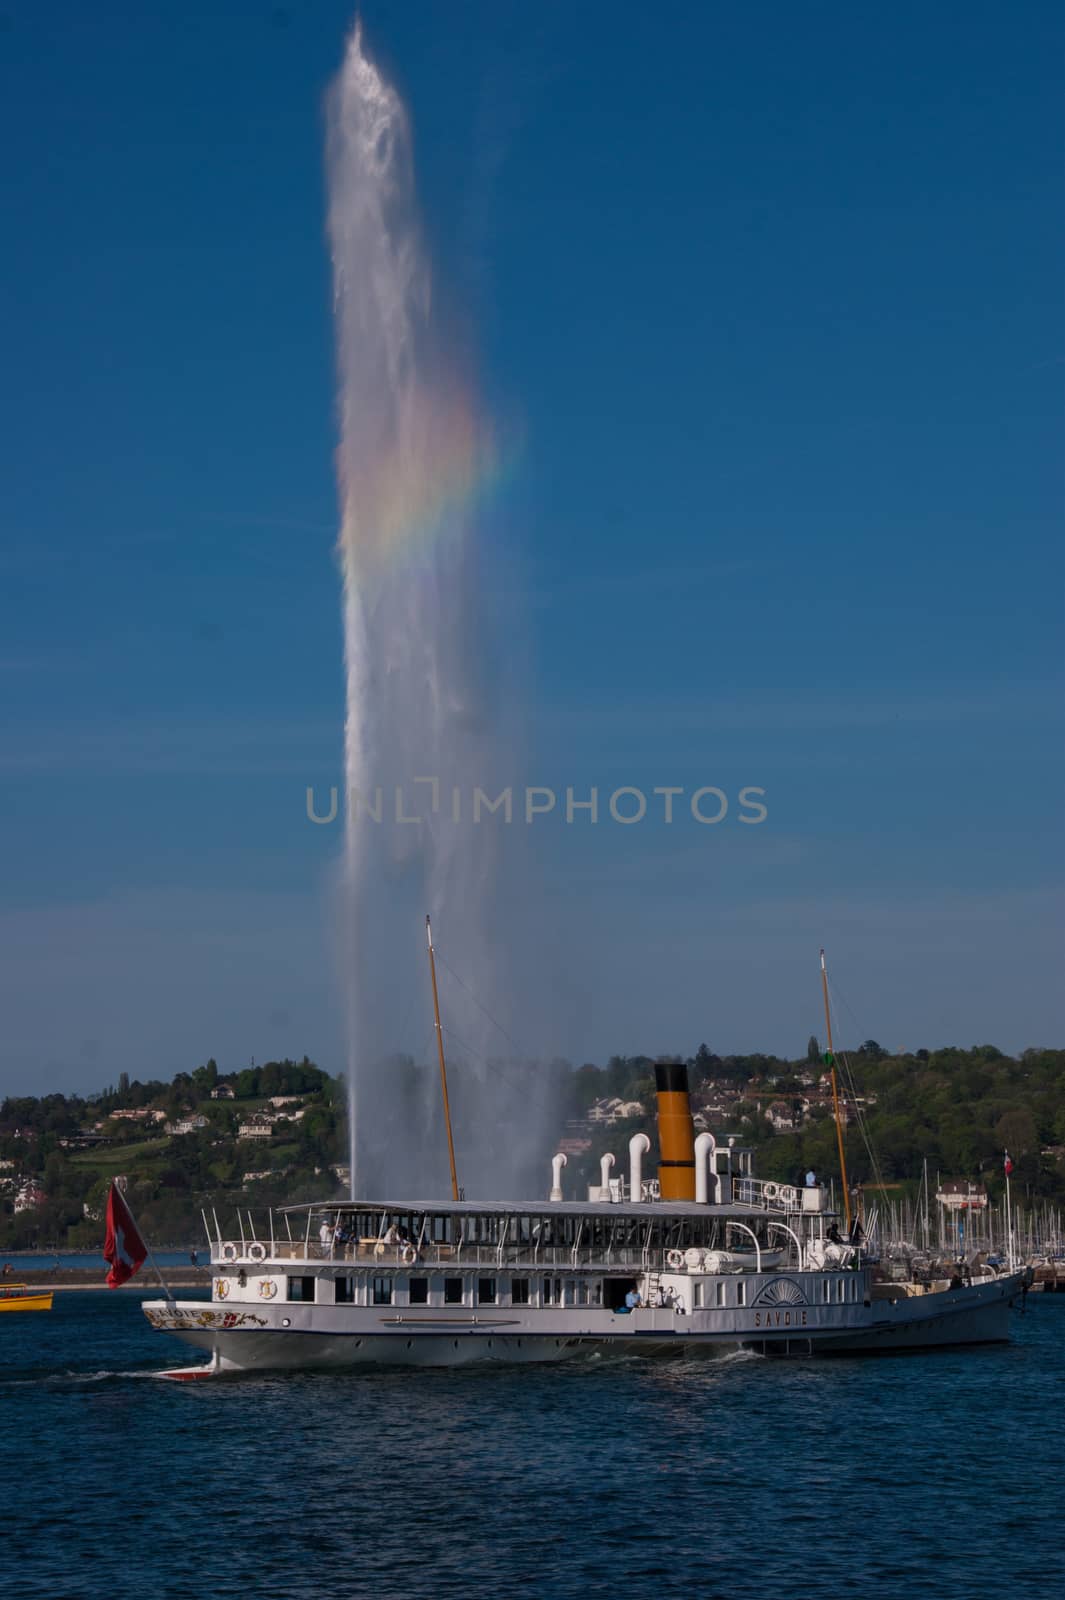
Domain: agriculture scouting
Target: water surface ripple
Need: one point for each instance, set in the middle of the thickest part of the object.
(880, 1477)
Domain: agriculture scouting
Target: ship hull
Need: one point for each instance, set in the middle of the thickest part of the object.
(247, 1341)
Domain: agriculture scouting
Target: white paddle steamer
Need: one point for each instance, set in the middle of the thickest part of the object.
(704, 1260)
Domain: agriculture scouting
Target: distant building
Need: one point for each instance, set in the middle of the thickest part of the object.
(186, 1125)
(29, 1195)
(224, 1091)
(781, 1117)
(257, 1126)
(607, 1112)
(958, 1194)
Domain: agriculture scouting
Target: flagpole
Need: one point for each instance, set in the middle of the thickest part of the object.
(147, 1248)
(1009, 1214)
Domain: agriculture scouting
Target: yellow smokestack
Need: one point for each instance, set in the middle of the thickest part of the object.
(676, 1134)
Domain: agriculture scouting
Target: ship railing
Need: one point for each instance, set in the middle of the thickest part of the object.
(365, 1253)
(764, 1193)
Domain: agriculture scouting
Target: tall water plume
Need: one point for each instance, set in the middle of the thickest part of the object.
(413, 456)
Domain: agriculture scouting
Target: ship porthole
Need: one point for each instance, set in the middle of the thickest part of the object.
(286, 1322)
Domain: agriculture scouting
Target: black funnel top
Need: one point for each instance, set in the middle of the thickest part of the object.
(671, 1077)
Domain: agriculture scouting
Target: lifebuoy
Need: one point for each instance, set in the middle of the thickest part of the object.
(267, 1289)
(221, 1288)
(408, 1255)
(229, 1252)
(771, 1191)
(789, 1195)
(256, 1252)
(674, 1259)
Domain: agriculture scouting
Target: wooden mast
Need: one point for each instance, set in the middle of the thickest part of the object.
(835, 1097)
(443, 1069)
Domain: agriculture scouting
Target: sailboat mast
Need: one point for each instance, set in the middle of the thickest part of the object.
(443, 1068)
(835, 1097)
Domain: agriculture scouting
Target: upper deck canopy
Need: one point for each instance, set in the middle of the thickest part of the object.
(653, 1210)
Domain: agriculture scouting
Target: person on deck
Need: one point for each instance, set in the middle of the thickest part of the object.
(811, 1179)
(632, 1300)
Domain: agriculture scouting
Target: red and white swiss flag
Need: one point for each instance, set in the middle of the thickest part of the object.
(124, 1248)
(1007, 1164)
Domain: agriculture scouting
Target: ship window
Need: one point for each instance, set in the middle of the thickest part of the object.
(345, 1291)
(519, 1292)
(301, 1289)
(839, 1288)
(582, 1293)
(486, 1291)
(719, 1294)
(382, 1291)
(552, 1292)
(741, 1294)
(419, 1291)
(826, 1289)
(452, 1291)
(697, 1295)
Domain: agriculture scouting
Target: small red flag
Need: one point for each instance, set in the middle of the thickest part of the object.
(1007, 1164)
(124, 1248)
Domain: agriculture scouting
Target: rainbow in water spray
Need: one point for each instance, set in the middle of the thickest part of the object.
(413, 464)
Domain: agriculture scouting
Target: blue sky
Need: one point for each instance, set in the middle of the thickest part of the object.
(771, 300)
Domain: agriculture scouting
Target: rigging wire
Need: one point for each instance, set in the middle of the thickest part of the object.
(497, 1065)
(481, 1008)
(849, 1079)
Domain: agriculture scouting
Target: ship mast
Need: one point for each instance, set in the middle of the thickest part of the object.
(835, 1096)
(443, 1068)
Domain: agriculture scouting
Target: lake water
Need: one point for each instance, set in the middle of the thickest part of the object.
(82, 1259)
(936, 1475)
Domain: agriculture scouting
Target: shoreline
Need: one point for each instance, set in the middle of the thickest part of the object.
(74, 1279)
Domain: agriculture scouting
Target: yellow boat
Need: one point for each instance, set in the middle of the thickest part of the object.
(20, 1297)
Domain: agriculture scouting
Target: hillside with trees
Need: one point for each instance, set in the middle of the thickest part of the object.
(275, 1134)
(959, 1110)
